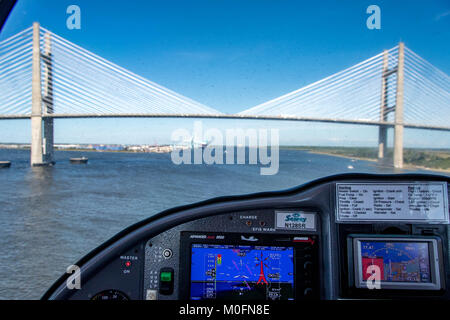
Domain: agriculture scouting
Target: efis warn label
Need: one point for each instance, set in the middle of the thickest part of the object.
(295, 220)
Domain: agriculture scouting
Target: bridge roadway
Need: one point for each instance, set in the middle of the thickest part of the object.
(226, 116)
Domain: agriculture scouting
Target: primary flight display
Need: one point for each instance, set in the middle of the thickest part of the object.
(241, 272)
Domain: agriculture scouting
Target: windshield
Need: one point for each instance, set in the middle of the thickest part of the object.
(113, 111)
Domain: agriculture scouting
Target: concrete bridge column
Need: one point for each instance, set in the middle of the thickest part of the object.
(36, 101)
(48, 100)
(382, 130)
(398, 128)
(41, 128)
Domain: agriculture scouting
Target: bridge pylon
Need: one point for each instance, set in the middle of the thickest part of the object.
(384, 110)
(398, 127)
(398, 108)
(41, 128)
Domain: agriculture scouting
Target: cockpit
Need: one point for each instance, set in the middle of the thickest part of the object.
(350, 236)
(179, 125)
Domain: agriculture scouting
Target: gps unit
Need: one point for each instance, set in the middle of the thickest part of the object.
(402, 263)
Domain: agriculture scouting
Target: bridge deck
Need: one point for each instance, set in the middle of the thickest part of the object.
(228, 116)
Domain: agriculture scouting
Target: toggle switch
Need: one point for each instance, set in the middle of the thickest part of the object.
(166, 276)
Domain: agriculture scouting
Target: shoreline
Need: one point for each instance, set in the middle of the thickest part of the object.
(406, 166)
(90, 150)
(341, 155)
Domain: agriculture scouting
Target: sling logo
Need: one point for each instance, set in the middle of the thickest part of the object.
(295, 220)
(296, 217)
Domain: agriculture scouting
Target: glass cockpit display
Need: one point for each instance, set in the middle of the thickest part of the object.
(396, 261)
(241, 272)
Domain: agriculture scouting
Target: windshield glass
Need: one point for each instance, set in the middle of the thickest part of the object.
(112, 111)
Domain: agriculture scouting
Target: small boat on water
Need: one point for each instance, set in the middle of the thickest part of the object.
(79, 160)
(5, 164)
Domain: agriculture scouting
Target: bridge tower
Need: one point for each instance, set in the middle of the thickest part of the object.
(398, 128)
(41, 105)
(398, 108)
(382, 131)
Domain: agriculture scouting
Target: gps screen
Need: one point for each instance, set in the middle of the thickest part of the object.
(242, 272)
(398, 261)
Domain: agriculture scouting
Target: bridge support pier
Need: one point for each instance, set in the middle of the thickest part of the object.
(385, 109)
(398, 128)
(41, 128)
(382, 130)
(382, 143)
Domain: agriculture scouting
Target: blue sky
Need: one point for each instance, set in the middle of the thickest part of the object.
(232, 55)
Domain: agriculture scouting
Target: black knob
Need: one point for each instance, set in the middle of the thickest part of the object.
(308, 266)
(308, 292)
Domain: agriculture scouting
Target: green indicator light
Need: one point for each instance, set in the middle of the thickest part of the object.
(166, 276)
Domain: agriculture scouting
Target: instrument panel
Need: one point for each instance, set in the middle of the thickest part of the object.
(250, 260)
(342, 237)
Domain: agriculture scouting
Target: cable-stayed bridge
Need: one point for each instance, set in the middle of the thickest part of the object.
(45, 77)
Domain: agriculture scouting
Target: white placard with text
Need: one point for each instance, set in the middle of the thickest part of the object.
(295, 220)
(413, 202)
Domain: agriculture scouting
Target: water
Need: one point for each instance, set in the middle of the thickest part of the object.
(51, 217)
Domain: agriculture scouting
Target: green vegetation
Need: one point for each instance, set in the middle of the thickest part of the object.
(428, 158)
(436, 159)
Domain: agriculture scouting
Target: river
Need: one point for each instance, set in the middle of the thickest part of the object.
(51, 217)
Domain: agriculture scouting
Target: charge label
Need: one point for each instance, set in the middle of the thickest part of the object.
(419, 201)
